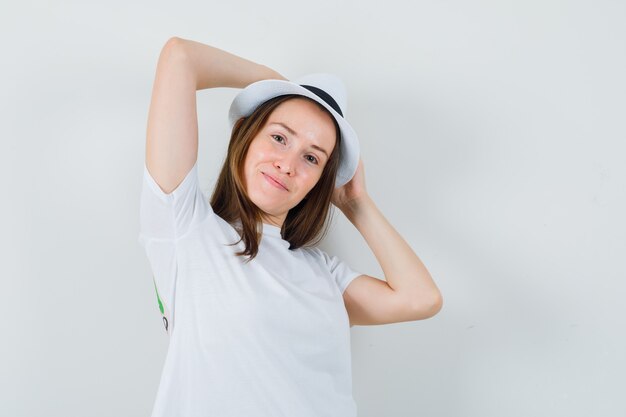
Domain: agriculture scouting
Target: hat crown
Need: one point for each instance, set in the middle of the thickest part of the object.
(331, 84)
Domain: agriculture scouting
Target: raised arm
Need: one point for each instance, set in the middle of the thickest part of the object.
(408, 291)
(185, 66)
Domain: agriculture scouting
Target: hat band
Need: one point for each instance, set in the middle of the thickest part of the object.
(324, 96)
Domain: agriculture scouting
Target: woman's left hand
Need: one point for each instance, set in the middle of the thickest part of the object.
(351, 192)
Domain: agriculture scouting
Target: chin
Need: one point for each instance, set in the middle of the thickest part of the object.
(271, 207)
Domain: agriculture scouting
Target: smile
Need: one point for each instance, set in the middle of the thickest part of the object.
(274, 183)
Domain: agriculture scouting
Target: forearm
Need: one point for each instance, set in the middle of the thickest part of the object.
(214, 67)
(404, 271)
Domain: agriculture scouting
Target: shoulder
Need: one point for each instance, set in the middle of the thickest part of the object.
(319, 256)
(311, 253)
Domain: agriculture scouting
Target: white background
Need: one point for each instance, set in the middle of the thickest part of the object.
(493, 139)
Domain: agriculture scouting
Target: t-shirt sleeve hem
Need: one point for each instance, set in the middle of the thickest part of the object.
(348, 279)
(154, 186)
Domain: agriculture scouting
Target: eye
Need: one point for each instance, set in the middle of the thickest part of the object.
(314, 159)
(278, 136)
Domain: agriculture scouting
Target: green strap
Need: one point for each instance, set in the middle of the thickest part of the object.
(158, 298)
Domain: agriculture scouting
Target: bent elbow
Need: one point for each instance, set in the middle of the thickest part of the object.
(428, 308)
(437, 304)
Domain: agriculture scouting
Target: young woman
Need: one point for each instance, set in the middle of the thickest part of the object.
(258, 316)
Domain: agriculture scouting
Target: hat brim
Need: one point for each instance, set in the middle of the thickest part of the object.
(248, 99)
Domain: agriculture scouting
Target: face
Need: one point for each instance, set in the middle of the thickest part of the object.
(293, 148)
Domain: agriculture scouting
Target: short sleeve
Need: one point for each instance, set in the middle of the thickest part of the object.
(163, 219)
(340, 271)
(171, 216)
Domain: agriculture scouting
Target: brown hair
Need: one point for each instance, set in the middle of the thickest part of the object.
(305, 223)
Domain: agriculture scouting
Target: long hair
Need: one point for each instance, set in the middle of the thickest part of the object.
(306, 223)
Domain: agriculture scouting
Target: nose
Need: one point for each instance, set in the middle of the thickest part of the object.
(285, 164)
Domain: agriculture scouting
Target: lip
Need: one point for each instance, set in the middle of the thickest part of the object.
(274, 181)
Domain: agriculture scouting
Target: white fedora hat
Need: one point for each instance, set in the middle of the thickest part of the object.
(326, 89)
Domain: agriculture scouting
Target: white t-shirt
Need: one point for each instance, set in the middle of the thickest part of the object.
(270, 338)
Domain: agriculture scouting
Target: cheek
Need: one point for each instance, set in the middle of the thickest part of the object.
(255, 153)
(259, 151)
(256, 157)
(312, 180)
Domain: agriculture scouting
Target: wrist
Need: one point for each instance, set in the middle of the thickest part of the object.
(356, 207)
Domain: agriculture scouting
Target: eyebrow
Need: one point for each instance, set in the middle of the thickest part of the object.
(293, 132)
